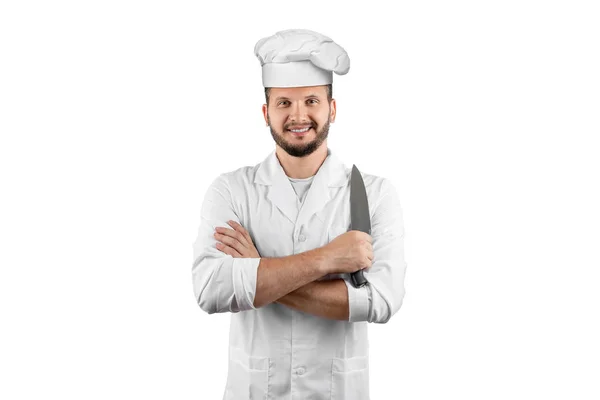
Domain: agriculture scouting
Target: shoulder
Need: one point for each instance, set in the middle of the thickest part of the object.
(236, 178)
(377, 185)
(382, 194)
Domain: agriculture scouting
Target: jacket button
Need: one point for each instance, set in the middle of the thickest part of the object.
(300, 371)
(302, 238)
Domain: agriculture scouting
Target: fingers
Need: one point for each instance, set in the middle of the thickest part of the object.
(239, 228)
(236, 241)
(369, 251)
(230, 241)
(228, 250)
(235, 234)
(364, 236)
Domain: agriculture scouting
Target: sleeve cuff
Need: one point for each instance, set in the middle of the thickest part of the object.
(244, 275)
(359, 301)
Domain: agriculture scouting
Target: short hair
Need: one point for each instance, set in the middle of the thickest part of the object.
(329, 93)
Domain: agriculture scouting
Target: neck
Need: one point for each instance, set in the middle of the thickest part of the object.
(302, 167)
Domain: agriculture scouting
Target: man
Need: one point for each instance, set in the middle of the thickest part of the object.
(274, 247)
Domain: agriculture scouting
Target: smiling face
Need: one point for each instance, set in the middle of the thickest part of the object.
(295, 109)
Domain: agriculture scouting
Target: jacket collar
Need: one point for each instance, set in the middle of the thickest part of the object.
(332, 173)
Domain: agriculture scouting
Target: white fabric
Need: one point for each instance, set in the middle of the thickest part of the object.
(300, 57)
(275, 351)
(301, 187)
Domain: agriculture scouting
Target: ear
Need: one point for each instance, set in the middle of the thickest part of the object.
(332, 114)
(264, 110)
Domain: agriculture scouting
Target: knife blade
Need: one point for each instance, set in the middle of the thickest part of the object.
(359, 215)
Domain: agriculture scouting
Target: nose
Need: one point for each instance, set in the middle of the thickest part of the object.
(298, 113)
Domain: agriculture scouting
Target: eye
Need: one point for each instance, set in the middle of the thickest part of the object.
(315, 100)
(284, 101)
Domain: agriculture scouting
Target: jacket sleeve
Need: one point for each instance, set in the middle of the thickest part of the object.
(382, 296)
(221, 282)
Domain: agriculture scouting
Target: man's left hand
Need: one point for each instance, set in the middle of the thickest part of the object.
(236, 242)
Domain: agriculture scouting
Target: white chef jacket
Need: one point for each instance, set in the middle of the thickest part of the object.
(276, 352)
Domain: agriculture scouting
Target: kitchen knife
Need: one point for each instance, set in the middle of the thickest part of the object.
(359, 215)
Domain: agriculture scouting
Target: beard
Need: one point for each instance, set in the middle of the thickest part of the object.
(300, 149)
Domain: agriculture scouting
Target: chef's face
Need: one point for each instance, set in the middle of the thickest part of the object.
(297, 108)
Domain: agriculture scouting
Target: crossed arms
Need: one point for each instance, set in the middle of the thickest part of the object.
(246, 281)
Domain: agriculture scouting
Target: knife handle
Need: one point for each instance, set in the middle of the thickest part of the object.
(358, 279)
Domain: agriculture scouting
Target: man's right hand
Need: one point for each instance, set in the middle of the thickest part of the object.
(347, 253)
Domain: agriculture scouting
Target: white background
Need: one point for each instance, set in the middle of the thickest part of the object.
(116, 115)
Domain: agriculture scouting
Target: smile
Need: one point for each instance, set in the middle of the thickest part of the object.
(299, 130)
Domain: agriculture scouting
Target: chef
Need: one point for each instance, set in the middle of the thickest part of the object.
(275, 249)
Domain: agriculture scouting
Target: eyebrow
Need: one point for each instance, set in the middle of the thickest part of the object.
(285, 98)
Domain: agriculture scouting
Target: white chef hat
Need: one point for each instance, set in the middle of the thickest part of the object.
(300, 57)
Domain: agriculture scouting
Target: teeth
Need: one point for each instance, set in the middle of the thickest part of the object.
(299, 130)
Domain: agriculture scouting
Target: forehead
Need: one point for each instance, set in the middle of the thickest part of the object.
(298, 92)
